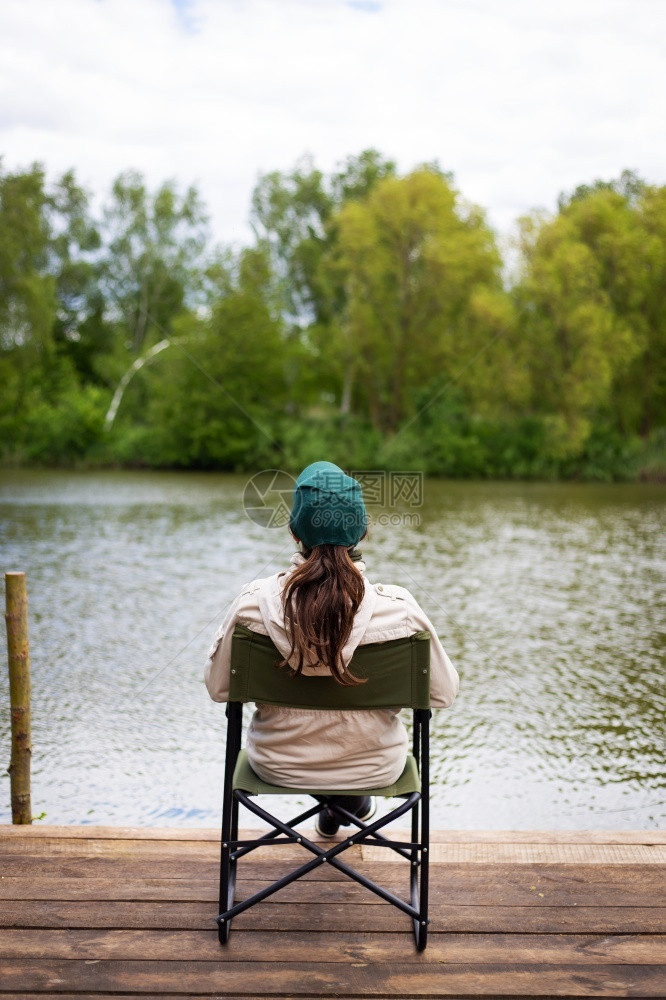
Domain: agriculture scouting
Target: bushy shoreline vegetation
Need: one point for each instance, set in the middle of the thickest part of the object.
(368, 322)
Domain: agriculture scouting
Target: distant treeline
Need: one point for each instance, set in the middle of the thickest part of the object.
(372, 321)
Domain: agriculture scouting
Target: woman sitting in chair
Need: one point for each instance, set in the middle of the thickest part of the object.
(317, 613)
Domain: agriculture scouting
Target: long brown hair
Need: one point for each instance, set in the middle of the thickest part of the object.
(320, 600)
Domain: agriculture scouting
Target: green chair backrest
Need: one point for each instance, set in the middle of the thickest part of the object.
(397, 672)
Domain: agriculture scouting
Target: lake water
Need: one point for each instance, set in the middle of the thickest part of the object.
(549, 598)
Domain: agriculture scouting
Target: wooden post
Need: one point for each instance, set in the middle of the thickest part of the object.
(19, 695)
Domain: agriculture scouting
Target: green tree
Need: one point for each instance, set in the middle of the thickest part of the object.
(216, 397)
(643, 389)
(27, 290)
(292, 212)
(27, 301)
(421, 275)
(153, 256)
(81, 330)
(289, 213)
(592, 300)
(46, 413)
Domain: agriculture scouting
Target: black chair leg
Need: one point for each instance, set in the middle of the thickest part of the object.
(229, 819)
(228, 873)
(421, 830)
(226, 902)
(421, 925)
(419, 870)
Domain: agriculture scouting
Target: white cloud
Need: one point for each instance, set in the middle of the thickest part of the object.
(520, 100)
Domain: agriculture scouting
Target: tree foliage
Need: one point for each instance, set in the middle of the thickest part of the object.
(592, 295)
(368, 322)
(411, 261)
(153, 260)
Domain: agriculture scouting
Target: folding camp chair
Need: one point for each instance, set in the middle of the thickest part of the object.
(397, 675)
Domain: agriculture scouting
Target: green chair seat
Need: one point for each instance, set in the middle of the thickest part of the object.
(247, 780)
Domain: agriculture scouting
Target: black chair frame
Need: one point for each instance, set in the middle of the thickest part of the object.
(416, 851)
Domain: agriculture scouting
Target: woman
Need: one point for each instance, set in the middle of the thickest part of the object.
(316, 614)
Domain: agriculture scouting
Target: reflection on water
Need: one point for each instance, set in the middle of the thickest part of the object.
(550, 599)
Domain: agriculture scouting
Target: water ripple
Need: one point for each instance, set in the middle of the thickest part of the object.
(551, 599)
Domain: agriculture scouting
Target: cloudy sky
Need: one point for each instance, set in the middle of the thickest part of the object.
(521, 99)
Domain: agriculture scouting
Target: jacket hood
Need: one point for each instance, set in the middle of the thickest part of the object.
(270, 605)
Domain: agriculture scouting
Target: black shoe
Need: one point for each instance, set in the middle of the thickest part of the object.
(366, 808)
(327, 823)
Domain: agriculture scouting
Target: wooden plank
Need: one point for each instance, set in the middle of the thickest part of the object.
(180, 863)
(37, 831)
(136, 850)
(56, 868)
(160, 996)
(550, 889)
(62, 866)
(518, 886)
(269, 947)
(627, 885)
(165, 889)
(173, 890)
(271, 916)
(332, 979)
(191, 834)
(440, 853)
(561, 854)
(126, 848)
(254, 996)
(544, 836)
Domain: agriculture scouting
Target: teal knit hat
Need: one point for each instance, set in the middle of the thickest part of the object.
(328, 507)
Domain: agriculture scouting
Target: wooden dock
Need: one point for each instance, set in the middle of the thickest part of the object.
(106, 912)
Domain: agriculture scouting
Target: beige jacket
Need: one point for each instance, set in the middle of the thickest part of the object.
(297, 748)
